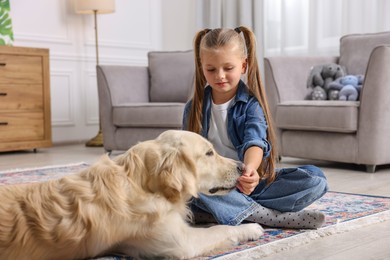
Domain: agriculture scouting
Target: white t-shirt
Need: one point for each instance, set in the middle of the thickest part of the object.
(218, 130)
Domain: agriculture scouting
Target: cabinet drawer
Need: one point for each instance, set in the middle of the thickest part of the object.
(17, 97)
(20, 69)
(16, 127)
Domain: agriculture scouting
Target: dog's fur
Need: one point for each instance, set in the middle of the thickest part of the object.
(134, 204)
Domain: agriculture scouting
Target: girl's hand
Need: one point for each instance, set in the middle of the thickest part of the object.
(248, 181)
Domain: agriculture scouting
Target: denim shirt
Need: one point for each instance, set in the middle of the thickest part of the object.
(247, 125)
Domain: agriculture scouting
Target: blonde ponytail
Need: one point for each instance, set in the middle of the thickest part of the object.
(195, 115)
(267, 167)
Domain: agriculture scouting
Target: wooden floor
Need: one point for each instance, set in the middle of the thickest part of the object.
(370, 242)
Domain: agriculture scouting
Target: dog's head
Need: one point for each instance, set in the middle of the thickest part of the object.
(179, 164)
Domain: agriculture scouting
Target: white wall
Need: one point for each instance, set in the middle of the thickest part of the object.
(124, 39)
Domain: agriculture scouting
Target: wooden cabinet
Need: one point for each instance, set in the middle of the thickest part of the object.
(25, 119)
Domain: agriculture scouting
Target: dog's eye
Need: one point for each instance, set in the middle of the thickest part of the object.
(210, 153)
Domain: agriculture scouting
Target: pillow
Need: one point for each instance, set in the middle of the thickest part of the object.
(171, 75)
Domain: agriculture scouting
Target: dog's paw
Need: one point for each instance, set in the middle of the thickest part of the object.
(252, 231)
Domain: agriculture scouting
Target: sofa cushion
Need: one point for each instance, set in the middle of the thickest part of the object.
(323, 115)
(148, 115)
(171, 75)
(355, 50)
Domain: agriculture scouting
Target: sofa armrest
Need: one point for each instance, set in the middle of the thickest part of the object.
(118, 85)
(374, 116)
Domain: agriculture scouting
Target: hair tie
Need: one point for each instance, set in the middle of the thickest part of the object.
(237, 29)
(206, 30)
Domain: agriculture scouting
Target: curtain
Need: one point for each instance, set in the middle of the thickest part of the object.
(314, 27)
(296, 27)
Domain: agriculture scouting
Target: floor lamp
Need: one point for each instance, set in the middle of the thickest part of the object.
(95, 7)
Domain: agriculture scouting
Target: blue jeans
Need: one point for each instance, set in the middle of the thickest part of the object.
(292, 190)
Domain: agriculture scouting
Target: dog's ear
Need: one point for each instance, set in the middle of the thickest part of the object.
(177, 176)
(131, 161)
(189, 173)
(139, 164)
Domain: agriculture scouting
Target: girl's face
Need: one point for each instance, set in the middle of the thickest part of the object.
(222, 69)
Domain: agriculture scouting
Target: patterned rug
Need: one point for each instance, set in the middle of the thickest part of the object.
(343, 212)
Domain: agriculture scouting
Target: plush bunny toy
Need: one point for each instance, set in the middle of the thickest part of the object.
(320, 77)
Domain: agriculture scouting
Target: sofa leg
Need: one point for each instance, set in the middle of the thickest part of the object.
(370, 168)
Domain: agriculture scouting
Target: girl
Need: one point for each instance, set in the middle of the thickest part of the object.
(235, 117)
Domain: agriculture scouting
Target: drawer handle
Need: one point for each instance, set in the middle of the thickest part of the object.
(3, 94)
(2, 64)
(3, 123)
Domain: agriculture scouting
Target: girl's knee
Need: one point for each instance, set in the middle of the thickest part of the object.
(316, 179)
(313, 170)
(320, 183)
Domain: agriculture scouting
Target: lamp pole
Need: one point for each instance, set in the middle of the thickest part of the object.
(96, 141)
(96, 37)
(94, 7)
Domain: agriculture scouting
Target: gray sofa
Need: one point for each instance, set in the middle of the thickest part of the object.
(138, 103)
(343, 131)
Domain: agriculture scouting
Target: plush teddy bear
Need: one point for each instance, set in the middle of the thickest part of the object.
(322, 76)
(348, 87)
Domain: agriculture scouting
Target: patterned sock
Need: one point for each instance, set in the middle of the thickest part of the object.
(301, 219)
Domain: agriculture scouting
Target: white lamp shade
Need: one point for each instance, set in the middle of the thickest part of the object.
(89, 6)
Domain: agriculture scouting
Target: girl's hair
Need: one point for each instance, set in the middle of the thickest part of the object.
(214, 39)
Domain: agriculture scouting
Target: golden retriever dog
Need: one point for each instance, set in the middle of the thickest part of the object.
(134, 204)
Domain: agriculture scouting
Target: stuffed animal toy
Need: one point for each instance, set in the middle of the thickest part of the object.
(360, 82)
(348, 87)
(318, 93)
(333, 94)
(322, 76)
